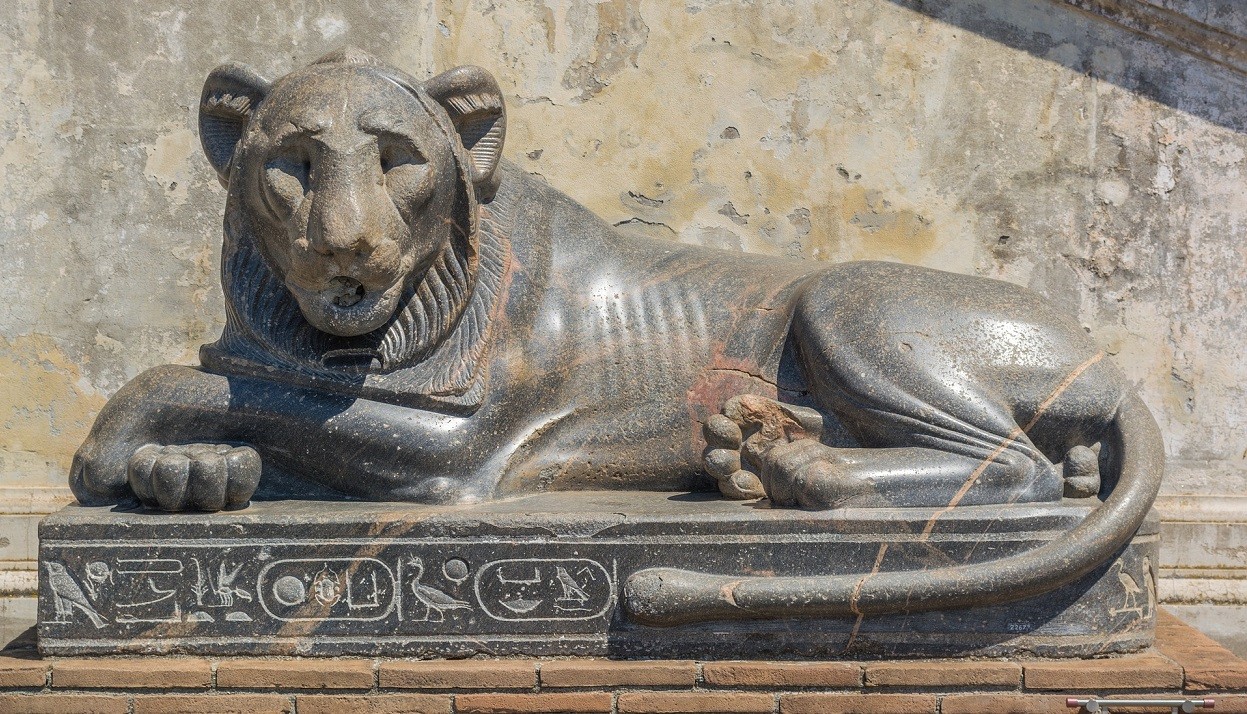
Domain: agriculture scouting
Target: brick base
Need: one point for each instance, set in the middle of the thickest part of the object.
(1185, 662)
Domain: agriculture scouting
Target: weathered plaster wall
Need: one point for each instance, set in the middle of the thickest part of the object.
(1021, 140)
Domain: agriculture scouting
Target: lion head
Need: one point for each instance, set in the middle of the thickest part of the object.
(353, 194)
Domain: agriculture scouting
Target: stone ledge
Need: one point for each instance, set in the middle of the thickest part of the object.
(61, 703)
(1206, 665)
(33, 500)
(1185, 662)
(22, 672)
(1003, 704)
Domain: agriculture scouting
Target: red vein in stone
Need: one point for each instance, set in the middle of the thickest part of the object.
(857, 594)
(1008, 441)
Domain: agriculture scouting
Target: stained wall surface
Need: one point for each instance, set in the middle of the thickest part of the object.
(1023, 140)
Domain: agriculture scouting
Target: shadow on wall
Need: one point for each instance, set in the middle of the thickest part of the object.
(1150, 62)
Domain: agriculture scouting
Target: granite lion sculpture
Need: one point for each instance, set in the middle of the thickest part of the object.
(413, 318)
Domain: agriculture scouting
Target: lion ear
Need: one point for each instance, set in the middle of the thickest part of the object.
(230, 96)
(470, 95)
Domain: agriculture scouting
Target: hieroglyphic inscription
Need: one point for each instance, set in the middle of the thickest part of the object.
(302, 589)
(427, 590)
(531, 589)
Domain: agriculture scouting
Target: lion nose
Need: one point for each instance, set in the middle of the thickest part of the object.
(341, 226)
(335, 235)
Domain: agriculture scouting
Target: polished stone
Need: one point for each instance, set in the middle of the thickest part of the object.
(544, 575)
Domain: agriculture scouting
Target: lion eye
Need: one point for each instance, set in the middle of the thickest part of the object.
(287, 179)
(394, 156)
(405, 175)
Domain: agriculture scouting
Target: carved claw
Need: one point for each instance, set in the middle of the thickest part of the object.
(760, 447)
(194, 477)
(723, 462)
(752, 425)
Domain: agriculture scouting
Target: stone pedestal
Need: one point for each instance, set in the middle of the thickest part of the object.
(542, 575)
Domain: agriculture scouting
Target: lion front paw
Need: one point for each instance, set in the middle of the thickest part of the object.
(194, 477)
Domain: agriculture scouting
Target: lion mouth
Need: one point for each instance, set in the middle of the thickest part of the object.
(344, 306)
(344, 291)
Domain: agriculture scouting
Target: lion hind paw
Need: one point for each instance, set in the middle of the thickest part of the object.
(773, 420)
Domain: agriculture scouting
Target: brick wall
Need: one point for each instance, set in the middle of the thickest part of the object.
(1185, 662)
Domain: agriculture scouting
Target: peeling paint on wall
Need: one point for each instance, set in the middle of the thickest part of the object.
(45, 408)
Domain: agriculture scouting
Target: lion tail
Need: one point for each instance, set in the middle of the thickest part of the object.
(672, 596)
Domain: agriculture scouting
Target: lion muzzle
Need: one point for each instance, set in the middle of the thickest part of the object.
(346, 306)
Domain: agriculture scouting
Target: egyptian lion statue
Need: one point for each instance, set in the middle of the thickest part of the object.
(413, 318)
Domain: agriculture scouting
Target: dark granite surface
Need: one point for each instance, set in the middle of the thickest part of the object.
(543, 575)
